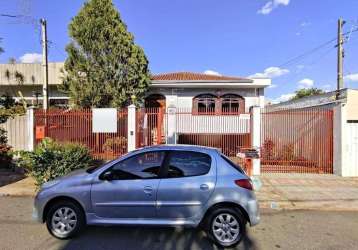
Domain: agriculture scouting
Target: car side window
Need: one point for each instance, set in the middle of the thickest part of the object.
(187, 163)
(141, 166)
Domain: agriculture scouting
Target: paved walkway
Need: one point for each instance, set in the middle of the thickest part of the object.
(278, 191)
(308, 191)
(24, 187)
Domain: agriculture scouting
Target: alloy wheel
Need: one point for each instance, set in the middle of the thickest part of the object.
(64, 220)
(226, 228)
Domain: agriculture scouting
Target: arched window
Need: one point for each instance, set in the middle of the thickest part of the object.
(204, 104)
(232, 104)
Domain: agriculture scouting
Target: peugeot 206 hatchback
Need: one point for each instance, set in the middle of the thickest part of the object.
(165, 185)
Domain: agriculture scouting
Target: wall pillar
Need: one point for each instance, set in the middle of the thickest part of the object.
(30, 129)
(339, 139)
(171, 125)
(131, 138)
(256, 136)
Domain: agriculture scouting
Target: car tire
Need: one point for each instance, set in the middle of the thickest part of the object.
(65, 219)
(226, 226)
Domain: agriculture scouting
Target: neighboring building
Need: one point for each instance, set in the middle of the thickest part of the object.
(201, 93)
(348, 97)
(30, 86)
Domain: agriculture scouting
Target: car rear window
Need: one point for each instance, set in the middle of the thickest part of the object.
(231, 163)
(188, 163)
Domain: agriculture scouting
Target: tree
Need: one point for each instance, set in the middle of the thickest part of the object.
(307, 92)
(104, 67)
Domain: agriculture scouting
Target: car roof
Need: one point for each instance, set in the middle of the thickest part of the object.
(177, 147)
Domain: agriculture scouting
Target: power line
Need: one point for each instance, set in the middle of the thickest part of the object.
(307, 53)
(300, 57)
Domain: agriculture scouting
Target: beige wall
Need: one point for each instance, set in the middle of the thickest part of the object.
(352, 104)
(32, 73)
(17, 132)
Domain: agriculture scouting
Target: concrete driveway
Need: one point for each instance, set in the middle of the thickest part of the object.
(278, 230)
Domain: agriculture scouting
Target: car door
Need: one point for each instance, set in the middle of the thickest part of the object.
(131, 189)
(188, 181)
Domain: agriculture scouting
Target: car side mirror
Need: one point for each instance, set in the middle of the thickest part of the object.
(107, 176)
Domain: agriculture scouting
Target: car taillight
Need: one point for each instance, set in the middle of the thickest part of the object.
(244, 183)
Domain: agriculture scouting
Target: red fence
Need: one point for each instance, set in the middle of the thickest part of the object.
(76, 126)
(299, 141)
(228, 132)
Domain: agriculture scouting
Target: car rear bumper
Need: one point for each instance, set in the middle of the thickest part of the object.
(254, 212)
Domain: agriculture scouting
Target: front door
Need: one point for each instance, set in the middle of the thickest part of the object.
(131, 191)
(188, 181)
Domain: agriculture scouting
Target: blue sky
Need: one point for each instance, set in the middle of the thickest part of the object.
(231, 37)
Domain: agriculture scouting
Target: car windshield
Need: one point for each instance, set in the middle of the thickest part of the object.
(91, 169)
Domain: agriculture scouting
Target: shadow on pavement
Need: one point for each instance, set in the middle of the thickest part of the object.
(145, 238)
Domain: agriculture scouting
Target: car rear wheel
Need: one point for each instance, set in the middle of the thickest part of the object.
(65, 219)
(226, 227)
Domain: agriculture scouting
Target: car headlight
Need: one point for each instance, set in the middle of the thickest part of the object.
(49, 184)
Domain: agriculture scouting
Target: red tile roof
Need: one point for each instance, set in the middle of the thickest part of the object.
(190, 76)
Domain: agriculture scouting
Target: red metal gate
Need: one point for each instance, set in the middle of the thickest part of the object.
(298, 141)
(228, 132)
(150, 129)
(76, 126)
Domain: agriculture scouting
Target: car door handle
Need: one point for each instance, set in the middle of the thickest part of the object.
(204, 187)
(148, 190)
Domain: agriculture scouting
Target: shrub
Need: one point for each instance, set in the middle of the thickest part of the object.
(51, 160)
(112, 145)
(5, 156)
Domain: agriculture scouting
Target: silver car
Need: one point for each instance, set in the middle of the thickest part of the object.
(168, 185)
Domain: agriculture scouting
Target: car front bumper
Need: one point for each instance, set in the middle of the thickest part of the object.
(37, 209)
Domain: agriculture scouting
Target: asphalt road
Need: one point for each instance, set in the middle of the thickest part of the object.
(278, 230)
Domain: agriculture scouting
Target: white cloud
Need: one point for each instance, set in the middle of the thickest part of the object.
(212, 72)
(305, 24)
(283, 98)
(271, 72)
(306, 83)
(298, 33)
(31, 58)
(271, 5)
(352, 77)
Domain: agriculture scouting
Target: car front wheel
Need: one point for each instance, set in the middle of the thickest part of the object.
(65, 219)
(226, 227)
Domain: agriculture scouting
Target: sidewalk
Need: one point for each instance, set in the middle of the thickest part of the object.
(278, 191)
(308, 191)
(24, 187)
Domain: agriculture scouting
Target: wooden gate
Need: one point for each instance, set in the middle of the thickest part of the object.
(299, 141)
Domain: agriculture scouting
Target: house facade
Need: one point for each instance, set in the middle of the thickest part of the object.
(200, 93)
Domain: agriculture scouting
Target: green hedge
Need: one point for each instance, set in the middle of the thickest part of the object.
(51, 160)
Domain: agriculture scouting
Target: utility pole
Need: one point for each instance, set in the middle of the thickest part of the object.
(44, 64)
(340, 55)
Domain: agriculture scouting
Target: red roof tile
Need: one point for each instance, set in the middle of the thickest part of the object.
(190, 76)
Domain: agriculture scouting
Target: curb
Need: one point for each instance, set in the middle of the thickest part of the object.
(336, 205)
